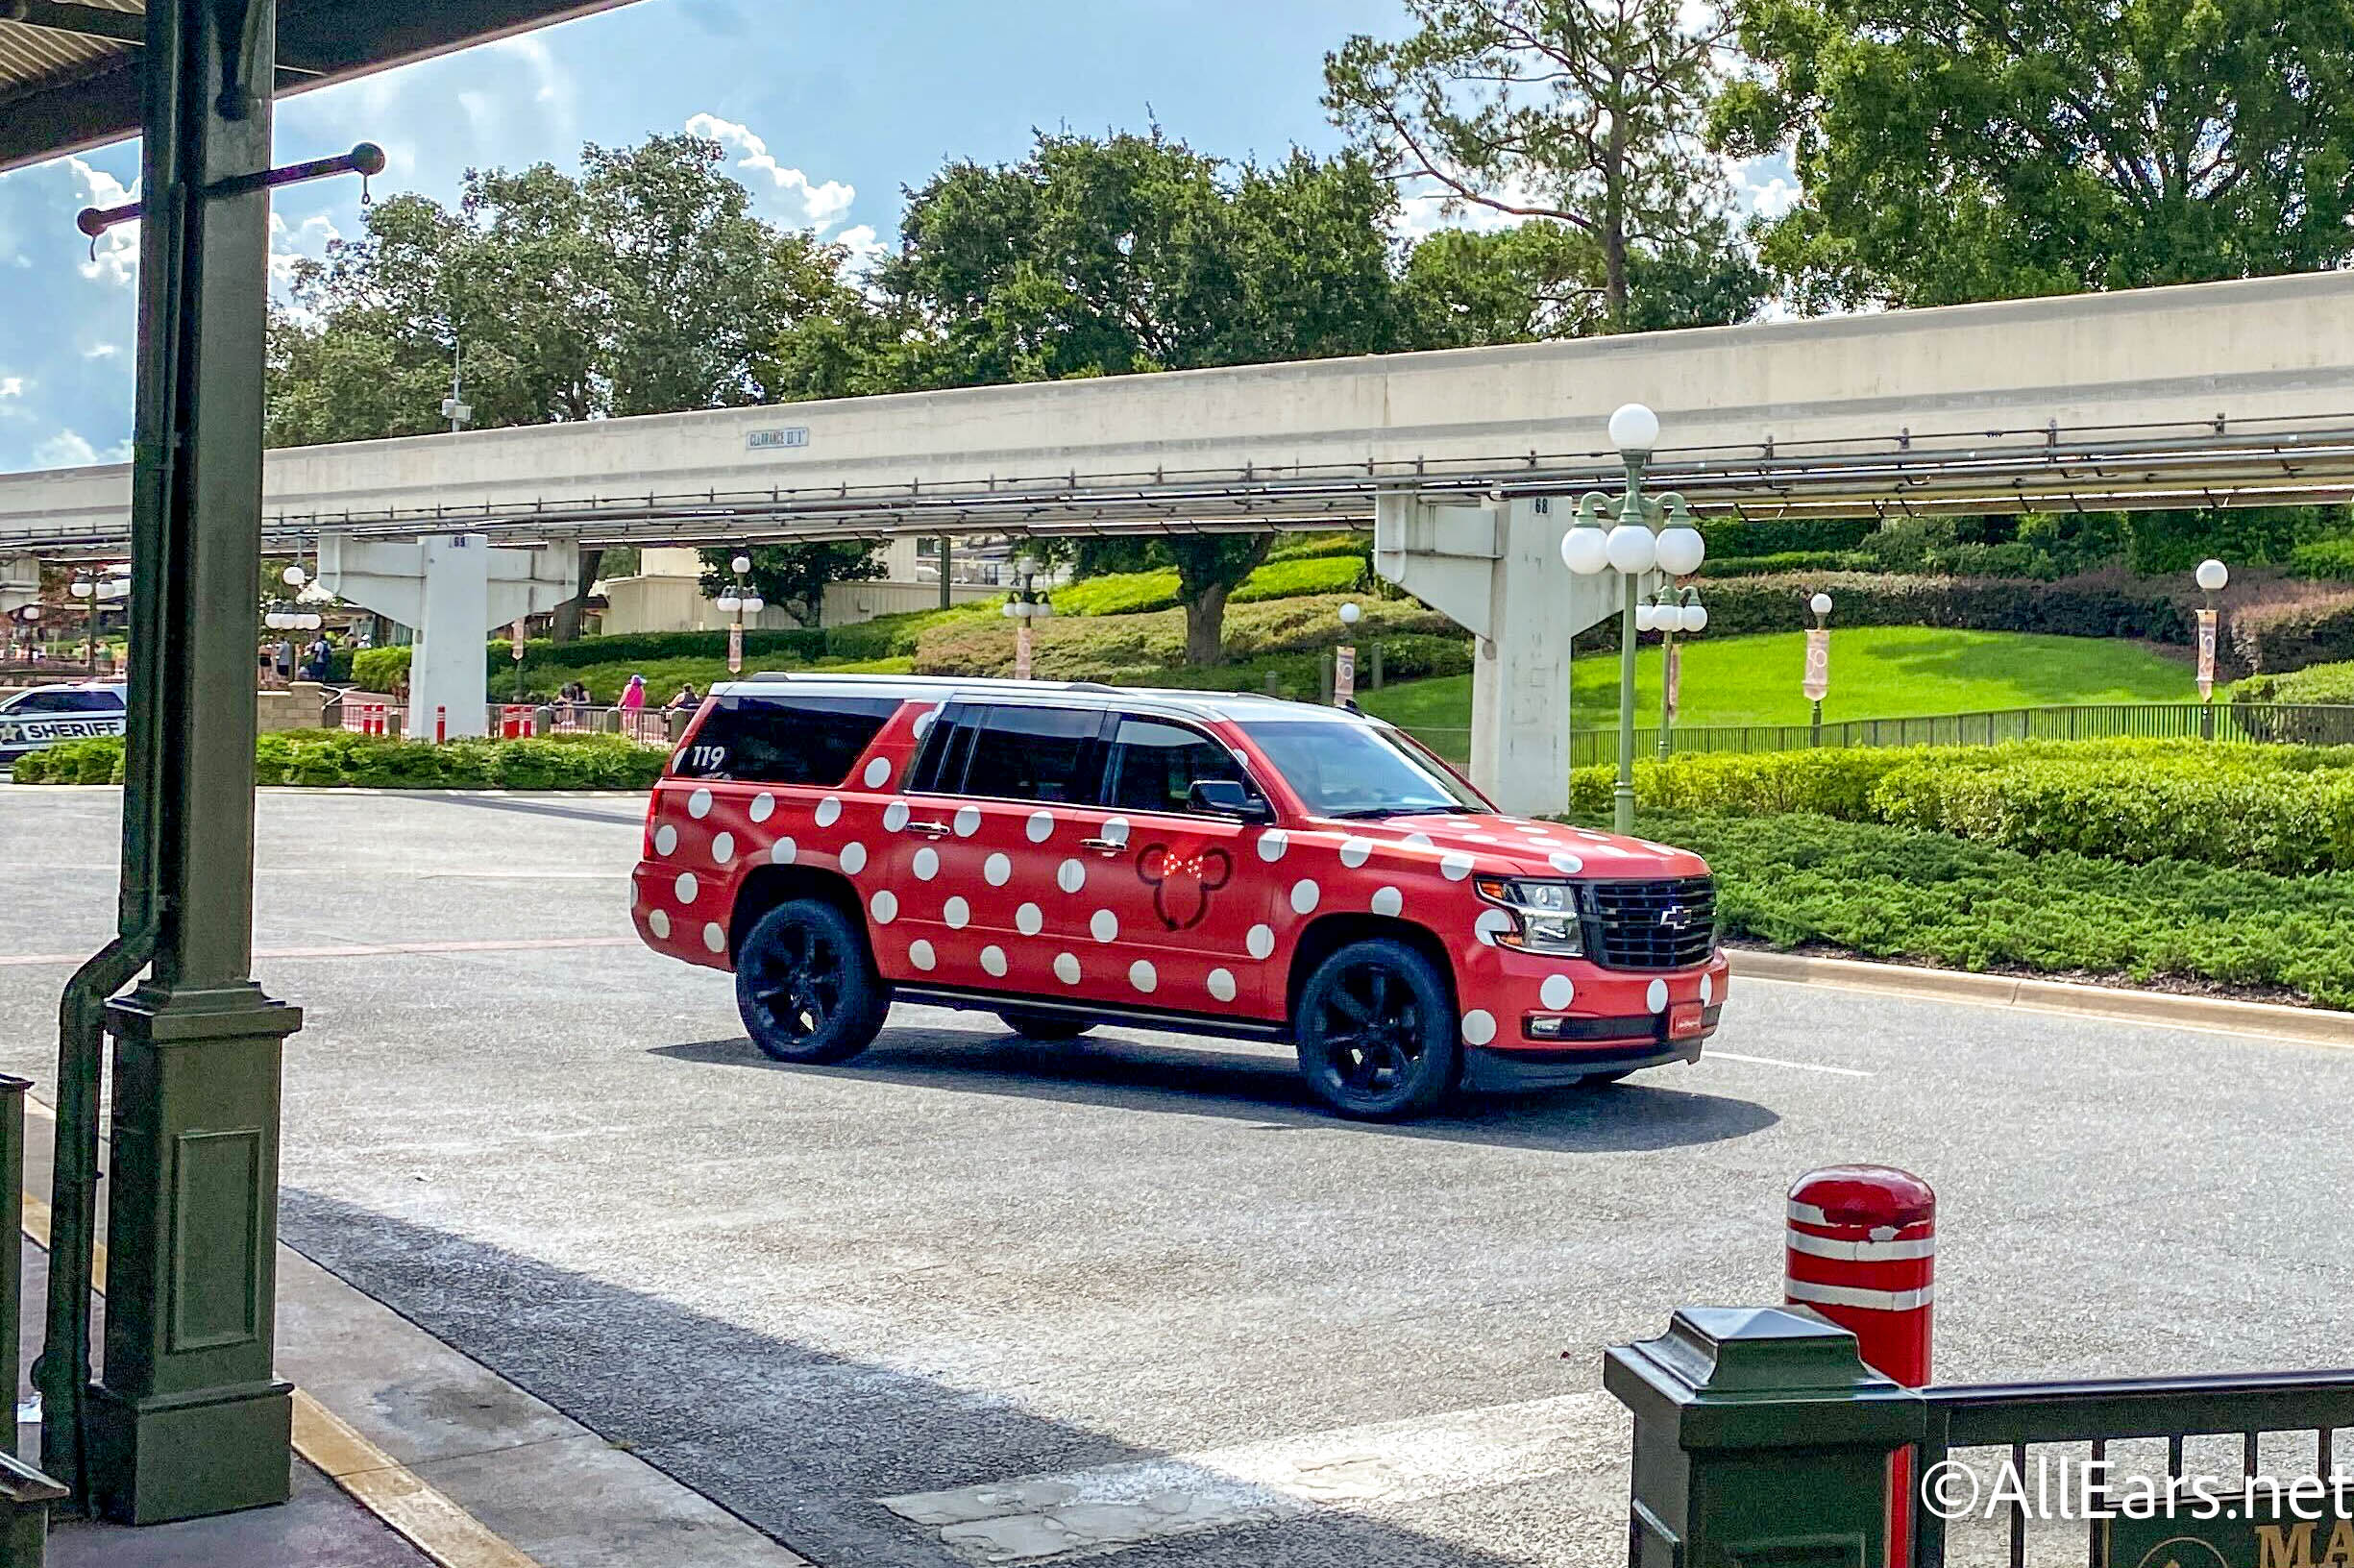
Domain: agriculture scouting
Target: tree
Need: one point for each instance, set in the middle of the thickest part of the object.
(1467, 288)
(1589, 113)
(1106, 258)
(795, 577)
(1955, 150)
(644, 286)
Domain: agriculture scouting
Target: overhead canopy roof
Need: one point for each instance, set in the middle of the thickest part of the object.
(70, 73)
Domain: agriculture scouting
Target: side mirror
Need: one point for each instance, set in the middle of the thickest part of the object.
(1224, 798)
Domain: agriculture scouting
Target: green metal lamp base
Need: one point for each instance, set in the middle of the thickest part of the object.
(181, 1456)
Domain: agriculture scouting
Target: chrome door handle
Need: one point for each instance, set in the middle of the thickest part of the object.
(938, 830)
(1104, 847)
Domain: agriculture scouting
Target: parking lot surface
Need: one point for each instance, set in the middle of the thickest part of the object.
(1201, 1322)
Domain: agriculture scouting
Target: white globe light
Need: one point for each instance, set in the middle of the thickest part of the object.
(1681, 550)
(276, 620)
(311, 623)
(741, 564)
(1821, 603)
(1675, 617)
(754, 603)
(1635, 428)
(1647, 617)
(1041, 607)
(1695, 618)
(2213, 574)
(1350, 614)
(31, 612)
(80, 590)
(729, 603)
(1633, 549)
(1586, 551)
(293, 576)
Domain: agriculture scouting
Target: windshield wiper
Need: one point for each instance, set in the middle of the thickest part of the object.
(1357, 812)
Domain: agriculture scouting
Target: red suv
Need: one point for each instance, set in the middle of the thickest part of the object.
(1068, 855)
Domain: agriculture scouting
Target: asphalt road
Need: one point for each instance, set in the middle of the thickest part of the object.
(1144, 1267)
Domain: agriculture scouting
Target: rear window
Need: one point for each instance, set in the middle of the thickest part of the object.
(784, 739)
(1015, 753)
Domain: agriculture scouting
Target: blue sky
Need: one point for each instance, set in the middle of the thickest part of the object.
(828, 109)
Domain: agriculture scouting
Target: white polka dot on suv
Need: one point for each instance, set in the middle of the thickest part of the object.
(723, 848)
(997, 870)
(714, 938)
(1103, 926)
(885, 906)
(920, 955)
(927, 864)
(1071, 876)
(1557, 991)
(1355, 852)
(992, 959)
(1029, 919)
(1261, 943)
(698, 804)
(659, 923)
(783, 853)
(1272, 844)
(853, 857)
(1708, 990)
(1567, 863)
(1041, 826)
(1067, 968)
(1655, 997)
(1142, 976)
(956, 913)
(967, 821)
(1221, 984)
(829, 811)
(666, 839)
(764, 806)
(1115, 830)
(1388, 901)
(877, 771)
(1478, 1027)
(1306, 896)
(1492, 924)
(1456, 867)
(686, 887)
(895, 817)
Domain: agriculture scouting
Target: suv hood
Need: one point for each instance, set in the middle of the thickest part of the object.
(1527, 847)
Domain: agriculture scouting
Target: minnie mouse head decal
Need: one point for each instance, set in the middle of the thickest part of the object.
(1182, 880)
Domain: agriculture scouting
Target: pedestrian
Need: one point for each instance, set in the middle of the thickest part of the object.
(686, 699)
(282, 657)
(633, 694)
(319, 658)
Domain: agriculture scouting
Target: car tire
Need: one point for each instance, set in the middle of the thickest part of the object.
(806, 984)
(1046, 1026)
(1377, 1032)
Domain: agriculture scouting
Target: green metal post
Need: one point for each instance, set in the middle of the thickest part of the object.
(190, 1417)
(1761, 1437)
(1814, 730)
(1622, 793)
(947, 599)
(1667, 684)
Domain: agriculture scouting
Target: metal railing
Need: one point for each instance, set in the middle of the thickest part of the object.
(365, 713)
(2286, 723)
(2014, 1418)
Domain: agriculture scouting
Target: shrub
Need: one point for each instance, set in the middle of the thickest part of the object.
(895, 636)
(379, 669)
(2291, 632)
(2099, 605)
(2282, 809)
(1901, 893)
(1291, 579)
(1149, 649)
(1793, 560)
(333, 757)
(2332, 560)
(2319, 684)
(1120, 592)
(795, 644)
(1779, 536)
(1299, 547)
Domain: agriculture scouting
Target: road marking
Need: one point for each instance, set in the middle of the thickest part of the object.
(1090, 1512)
(389, 949)
(423, 1516)
(1778, 1062)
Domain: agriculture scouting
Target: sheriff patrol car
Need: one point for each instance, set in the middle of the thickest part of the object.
(45, 715)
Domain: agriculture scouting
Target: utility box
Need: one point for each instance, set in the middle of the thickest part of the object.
(1761, 1440)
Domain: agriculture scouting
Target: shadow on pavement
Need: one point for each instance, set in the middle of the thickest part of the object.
(793, 1441)
(1643, 1114)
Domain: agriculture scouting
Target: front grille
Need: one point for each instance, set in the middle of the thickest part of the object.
(1651, 925)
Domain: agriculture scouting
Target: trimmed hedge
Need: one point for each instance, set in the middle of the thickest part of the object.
(1778, 536)
(2330, 560)
(2284, 809)
(1292, 580)
(1149, 649)
(1905, 893)
(1299, 547)
(1793, 560)
(2319, 684)
(335, 757)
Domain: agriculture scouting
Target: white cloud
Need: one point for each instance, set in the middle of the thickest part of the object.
(64, 449)
(1767, 187)
(291, 243)
(819, 205)
(100, 351)
(12, 386)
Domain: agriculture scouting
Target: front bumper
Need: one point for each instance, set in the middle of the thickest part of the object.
(1611, 1045)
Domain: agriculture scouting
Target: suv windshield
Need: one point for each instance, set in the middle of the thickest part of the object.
(1350, 768)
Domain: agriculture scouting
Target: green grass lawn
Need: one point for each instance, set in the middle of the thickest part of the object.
(1876, 673)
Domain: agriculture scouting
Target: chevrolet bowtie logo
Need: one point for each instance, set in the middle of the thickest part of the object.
(1675, 918)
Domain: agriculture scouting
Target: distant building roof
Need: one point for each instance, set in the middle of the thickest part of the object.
(69, 68)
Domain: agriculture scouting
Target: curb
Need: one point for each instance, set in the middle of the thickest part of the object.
(2212, 1014)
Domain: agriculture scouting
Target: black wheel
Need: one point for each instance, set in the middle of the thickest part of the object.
(806, 986)
(1050, 1026)
(1376, 1032)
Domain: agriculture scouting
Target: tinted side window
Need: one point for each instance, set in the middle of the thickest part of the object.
(784, 739)
(1154, 766)
(1021, 753)
(67, 702)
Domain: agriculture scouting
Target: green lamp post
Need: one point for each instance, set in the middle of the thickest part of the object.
(1635, 546)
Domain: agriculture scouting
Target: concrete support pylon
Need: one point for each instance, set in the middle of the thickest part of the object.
(454, 589)
(20, 582)
(1496, 569)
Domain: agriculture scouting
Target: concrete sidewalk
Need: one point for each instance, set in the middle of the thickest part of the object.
(408, 1454)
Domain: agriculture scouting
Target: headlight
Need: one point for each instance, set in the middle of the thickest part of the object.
(1544, 913)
